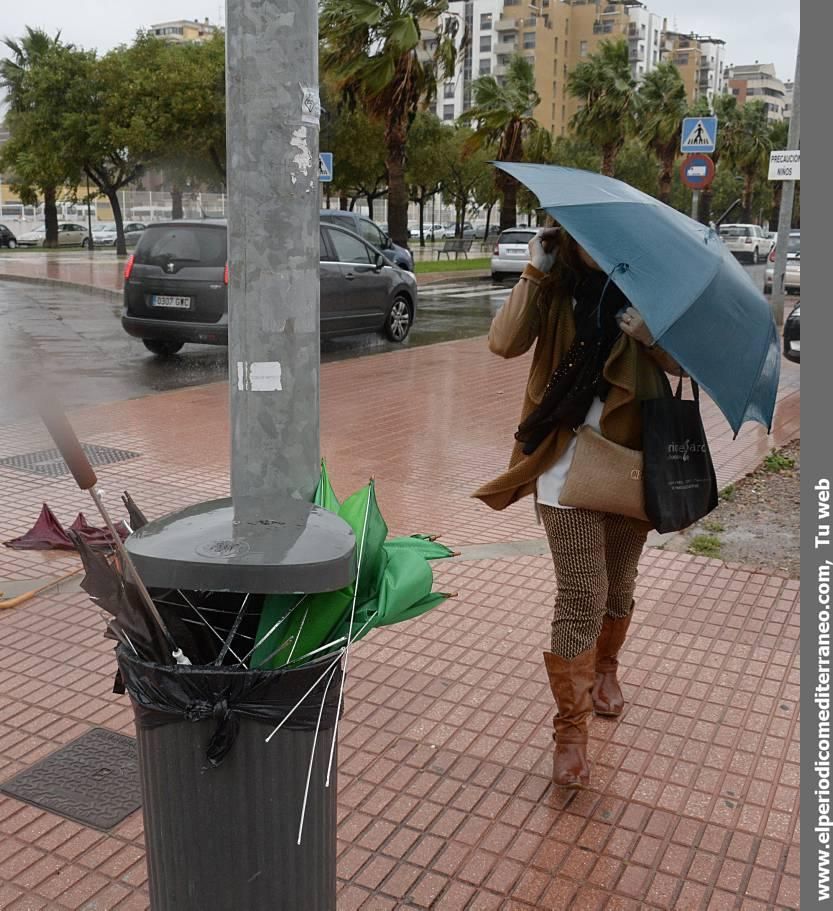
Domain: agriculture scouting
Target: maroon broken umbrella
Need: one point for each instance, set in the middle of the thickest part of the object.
(48, 533)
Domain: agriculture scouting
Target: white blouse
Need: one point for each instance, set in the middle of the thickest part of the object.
(552, 480)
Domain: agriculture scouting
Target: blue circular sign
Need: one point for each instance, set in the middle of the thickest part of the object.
(697, 171)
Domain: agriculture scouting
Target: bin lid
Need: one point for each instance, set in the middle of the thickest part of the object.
(271, 547)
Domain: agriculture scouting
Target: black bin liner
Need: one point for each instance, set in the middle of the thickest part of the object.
(222, 807)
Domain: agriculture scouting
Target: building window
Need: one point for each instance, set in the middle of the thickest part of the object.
(582, 48)
(448, 112)
(485, 22)
(555, 46)
(448, 90)
(485, 42)
(485, 66)
(529, 39)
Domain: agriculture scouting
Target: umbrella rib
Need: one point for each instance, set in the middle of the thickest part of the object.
(266, 635)
(298, 636)
(197, 611)
(312, 754)
(232, 632)
(349, 641)
(292, 711)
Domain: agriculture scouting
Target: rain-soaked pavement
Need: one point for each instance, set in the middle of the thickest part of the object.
(75, 339)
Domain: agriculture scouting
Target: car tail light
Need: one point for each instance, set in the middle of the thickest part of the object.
(496, 251)
(128, 266)
(772, 255)
(225, 275)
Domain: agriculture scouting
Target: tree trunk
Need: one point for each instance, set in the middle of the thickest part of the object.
(665, 177)
(118, 218)
(508, 187)
(704, 216)
(343, 202)
(176, 204)
(353, 200)
(421, 204)
(50, 217)
(395, 139)
(746, 203)
(609, 154)
(488, 220)
(370, 207)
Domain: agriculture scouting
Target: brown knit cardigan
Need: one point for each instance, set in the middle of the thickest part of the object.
(529, 315)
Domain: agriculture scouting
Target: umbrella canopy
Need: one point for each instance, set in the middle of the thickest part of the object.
(696, 299)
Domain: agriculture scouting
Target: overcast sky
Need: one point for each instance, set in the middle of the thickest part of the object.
(763, 30)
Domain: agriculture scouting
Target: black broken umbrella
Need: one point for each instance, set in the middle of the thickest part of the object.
(132, 613)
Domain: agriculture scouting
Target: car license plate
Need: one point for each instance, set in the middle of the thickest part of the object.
(172, 303)
(515, 250)
(795, 346)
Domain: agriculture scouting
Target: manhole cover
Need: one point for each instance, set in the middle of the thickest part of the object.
(50, 462)
(94, 780)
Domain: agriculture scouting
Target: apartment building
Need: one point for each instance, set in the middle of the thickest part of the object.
(758, 82)
(184, 31)
(700, 60)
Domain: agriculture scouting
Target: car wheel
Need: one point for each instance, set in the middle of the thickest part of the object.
(85, 243)
(755, 258)
(161, 348)
(12, 243)
(399, 319)
(497, 276)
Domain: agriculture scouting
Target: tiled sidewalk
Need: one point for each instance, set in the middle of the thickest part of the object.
(445, 800)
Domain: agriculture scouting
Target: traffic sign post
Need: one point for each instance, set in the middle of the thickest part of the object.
(699, 134)
(697, 173)
(325, 167)
(785, 165)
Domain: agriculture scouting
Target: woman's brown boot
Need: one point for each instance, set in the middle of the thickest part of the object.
(571, 683)
(607, 694)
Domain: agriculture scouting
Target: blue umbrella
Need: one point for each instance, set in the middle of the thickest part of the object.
(696, 299)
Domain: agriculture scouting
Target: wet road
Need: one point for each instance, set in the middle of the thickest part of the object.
(76, 340)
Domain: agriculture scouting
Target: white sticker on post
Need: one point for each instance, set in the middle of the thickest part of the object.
(263, 376)
(310, 105)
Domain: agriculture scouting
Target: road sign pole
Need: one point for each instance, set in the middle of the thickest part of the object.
(785, 211)
(695, 204)
(272, 120)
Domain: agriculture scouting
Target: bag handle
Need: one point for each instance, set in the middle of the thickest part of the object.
(694, 388)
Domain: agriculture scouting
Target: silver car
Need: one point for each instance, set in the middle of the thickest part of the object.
(511, 252)
(792, 275)
(749, 242)
(105, 235)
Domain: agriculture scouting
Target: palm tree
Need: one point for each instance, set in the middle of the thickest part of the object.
(26, 53)
(372, 49)
(747, 143)
(661, 106)
(607, 89)
(503, 115)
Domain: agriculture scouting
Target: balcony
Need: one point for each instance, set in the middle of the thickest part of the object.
(636, 56)
(506, 25)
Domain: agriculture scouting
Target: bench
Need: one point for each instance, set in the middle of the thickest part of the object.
(456, 245)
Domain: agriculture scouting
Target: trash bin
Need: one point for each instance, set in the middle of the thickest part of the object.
(223, 807)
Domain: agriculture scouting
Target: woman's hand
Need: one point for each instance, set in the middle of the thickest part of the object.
(539, 256)
(631, 323)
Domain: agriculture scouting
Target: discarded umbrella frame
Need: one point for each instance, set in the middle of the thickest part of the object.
(245, 643)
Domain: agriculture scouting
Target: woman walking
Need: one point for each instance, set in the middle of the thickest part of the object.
(594, 361)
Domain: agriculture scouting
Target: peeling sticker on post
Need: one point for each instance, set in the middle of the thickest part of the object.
(310, 105)
(303, 160)
(261, 376)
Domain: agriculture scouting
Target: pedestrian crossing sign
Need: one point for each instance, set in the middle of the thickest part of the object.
(699, 134)
(325, 166)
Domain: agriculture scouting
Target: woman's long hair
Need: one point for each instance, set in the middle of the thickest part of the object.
(568, 270)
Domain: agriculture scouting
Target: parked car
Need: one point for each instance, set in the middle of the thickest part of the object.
(467, 230)
(105, 235)
(7, 238)
(372, 233)
(748, 242)
(792, 335)
(511, 252)
(792, 275)
(480, 230)
(69, 235)
(431, 231)
(176, 287)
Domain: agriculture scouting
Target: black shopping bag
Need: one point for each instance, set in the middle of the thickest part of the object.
(680, 484)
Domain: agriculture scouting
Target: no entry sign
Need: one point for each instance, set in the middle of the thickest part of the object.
(697, 171)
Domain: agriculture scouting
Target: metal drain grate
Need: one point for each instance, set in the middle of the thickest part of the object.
(94, 780)
(50, 462)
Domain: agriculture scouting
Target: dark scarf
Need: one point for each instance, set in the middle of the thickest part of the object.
(578, 378)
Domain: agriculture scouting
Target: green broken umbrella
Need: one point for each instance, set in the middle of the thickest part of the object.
(394, 584)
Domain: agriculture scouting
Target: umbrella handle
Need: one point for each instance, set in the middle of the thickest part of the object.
(67, 442)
